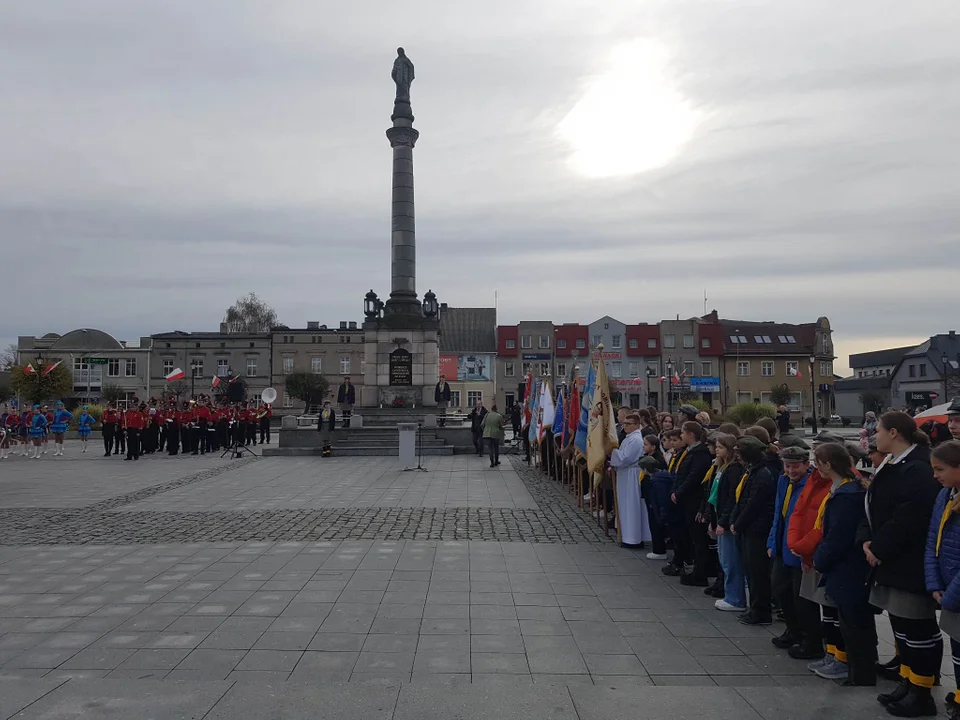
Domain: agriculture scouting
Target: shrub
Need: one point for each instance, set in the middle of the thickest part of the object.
(748, 413)
(824, 421)
(95, 410)
(846, 421)
(700, 405)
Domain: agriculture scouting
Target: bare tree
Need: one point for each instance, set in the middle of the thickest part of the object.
(249, 314)
(8, 357)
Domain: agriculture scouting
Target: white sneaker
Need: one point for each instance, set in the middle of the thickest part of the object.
(656, 556)
(724, 606)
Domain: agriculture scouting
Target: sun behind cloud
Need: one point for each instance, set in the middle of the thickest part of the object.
(632, 118)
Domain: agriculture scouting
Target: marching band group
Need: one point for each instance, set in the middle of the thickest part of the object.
(195, 427)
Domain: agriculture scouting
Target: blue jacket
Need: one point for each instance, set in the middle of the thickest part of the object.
(776, 540)
(943, 571)
(839, 557)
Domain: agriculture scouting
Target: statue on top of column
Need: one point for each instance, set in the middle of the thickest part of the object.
(402, 75)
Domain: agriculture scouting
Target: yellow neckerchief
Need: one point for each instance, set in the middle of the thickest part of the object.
(740, 484)
(786, 499)
(710, 471)
(953, 502)
(679, 460)
(818, 524)
(325, 414)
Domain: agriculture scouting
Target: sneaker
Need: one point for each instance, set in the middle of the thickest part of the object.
(752, 619)
(834, 670)
(724, 606)
(656, 556)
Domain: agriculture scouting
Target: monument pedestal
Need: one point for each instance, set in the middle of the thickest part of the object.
(400, 364)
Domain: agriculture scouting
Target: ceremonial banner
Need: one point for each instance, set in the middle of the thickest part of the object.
(586, 406)
(547, 409)
(602, 436)
(558, 421)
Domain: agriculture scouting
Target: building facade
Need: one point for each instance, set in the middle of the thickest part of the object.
(868, 387)
(334, 353)
(468, 356)
(526, 347)
(97, 361)
(929, 374)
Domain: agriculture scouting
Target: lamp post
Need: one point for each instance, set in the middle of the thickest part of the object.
(813, 396)
(736, 400)
(650, 376)
(670, 385)
(945, 360)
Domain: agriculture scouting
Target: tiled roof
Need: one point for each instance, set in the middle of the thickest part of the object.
(803, 335)
(891, 356)
(465, 330)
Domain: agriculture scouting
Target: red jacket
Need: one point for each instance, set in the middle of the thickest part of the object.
(802, 538)
(110, 416)
(133, 419)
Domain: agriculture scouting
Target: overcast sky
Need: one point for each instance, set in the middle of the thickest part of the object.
(793, 158)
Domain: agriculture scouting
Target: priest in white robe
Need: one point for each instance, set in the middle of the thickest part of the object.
(631, 510)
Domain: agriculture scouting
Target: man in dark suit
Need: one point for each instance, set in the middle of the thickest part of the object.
(442, 397)
(476, 417)
(347, 398)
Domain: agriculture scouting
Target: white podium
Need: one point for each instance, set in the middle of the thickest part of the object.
(408, 444)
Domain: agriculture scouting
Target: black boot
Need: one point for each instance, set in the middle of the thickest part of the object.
(806, 652)
(919, 702)
(785, 641)
(895, 695)
(890, 670)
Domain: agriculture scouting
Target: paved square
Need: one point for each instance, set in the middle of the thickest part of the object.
(304, 587)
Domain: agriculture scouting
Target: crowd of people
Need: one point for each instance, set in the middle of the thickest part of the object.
(822, 537)
(193, 427)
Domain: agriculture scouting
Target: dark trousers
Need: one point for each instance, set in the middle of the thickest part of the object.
(493, 446)
(120, 441)
(109, 431)
(162, 438)
(921, 649)
(658, 538)
(210, 438)
(478, 441)
(251, 433)
(173, 438)
(955, 652)
(808, 614)
(756, 566)
(783, 591)
(700, 543)
(859, 630)
(184, 439)
(223, 434)
(682, 541)
(832, 637)
(195, 440)
(133, 444)
(264, 430)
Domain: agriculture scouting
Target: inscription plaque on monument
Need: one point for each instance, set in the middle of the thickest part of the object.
(401, 367)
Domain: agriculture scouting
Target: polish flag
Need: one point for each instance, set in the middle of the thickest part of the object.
(216, 381)
(28, 370)
(177, 374)
(795, 373)
(233, 379)
(50, 368)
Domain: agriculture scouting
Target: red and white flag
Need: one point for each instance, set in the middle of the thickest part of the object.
(793, 372)
(28, 370)
(233, 379)
(50, 368)
(216, 381)
(176, 374)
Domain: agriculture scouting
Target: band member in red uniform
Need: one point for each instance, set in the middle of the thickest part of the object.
(202, 415)
(250, 433)
(266, 412)
(185, 420)
(109, 428)
(133, 424)
(172, 423)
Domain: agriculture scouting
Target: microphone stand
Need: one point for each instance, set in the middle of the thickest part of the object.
(419, 467)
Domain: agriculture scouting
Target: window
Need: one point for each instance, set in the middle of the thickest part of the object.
(561, 370)
(688, 341)
(912, 370)
(287, 400)
(634, 344)
(766, 368)
(344, 364)
(526, 342)
(688, 369)
(316, 365)
(526, 368)
(616, 342)
(509, 369)
(363, 367)
(826, 368)
(744, 397)
(793, 368)
(597, 339)
(653, 368)
(738, 339)
(743, 368)
(287, 365)
(510, 344)
(131, 367)
(888, 371)
(580, 345)
(923, 369)
(616, 369)
(223, 367)
(634, 368)
(669, 341)
(793, 404)
(113, 367)
(251, 367)
(652, 343)
(196, 368)
(167, 367)
(544, 342)
(561, 344)
(455, 398)
(705, 343)
(826, 345)
(544, 368)
(706, 369)
(473, 397)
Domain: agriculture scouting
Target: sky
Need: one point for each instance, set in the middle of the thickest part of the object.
(791, 159)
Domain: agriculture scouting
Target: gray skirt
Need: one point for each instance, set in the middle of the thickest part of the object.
(950, 624)
(810, 589)
(901, 603)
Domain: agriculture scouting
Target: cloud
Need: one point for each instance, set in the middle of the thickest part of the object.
(162, 159)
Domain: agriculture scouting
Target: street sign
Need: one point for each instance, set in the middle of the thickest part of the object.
(95, 361)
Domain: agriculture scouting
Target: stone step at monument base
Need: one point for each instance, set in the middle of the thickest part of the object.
(355, 450)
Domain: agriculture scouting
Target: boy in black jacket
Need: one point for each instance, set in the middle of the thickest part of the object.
(750, 521)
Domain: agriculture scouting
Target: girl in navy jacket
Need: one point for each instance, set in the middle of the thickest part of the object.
(842, 563)
(942, 557)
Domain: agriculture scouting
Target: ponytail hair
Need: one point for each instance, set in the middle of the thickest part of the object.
(839, 459)
(905, 426)
(695, 429)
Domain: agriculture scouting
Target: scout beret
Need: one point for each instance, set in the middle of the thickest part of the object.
(794, 453)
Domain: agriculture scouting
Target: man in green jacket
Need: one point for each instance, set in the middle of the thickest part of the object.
(493, 434)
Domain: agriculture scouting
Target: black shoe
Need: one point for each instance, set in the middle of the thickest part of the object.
(691, 580)
(799, 652)
(128, 458)
(785, 641)
(672, 570)
(950, 700)
(751, 618)
(890, 670)
(106, 454)
(896, 695)
(918, 703)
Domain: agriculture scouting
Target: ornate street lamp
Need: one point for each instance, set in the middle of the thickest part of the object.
(670, 385)
(945, 360)
(813, 395)
(371, 305)
(430, 305)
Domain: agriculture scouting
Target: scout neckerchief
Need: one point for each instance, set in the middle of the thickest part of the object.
(953, 502)
(676, 465)
(786, 500)
(818, 524)
(710, 471)
(743, 479)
